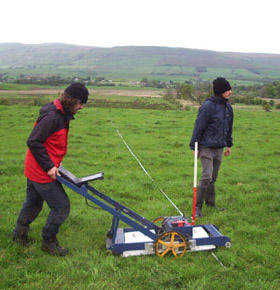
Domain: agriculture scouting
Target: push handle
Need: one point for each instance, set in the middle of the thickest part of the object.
(79, 181)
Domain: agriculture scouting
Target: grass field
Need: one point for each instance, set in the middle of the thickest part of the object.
(121, 71)
(248, 186)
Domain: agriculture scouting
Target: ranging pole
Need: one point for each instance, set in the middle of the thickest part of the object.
(194, 181)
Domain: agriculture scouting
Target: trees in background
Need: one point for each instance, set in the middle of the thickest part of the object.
(198, 93)
(271, 91)
(194, 93)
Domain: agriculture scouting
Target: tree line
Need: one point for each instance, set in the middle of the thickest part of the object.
(200, 92)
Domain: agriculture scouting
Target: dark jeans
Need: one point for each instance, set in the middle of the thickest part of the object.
(211, 159)
(56, 198)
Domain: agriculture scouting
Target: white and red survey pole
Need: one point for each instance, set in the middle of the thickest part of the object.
(194, 180)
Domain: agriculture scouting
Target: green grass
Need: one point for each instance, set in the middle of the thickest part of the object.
(13, 86)
(125, 71)
(248, 186)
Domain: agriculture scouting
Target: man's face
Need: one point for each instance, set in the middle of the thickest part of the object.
(77, 107)
(227, 94)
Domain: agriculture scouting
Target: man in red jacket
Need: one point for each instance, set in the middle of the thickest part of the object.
(47, 145)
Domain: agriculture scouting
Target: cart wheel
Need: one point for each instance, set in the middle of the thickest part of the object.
(158, 220)
(173, 242)
(228, 244)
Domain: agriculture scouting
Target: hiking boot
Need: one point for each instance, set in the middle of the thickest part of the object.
(198, 213)
(210, 196)
(52, 246)
(215, 207)
(219, 208)
(21, 240)
(201, 192)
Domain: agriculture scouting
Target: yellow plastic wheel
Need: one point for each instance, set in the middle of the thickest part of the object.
(158, 220)
(171, 242)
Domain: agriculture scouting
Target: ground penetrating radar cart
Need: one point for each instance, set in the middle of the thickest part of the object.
(165, 235)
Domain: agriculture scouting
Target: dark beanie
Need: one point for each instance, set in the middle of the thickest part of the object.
(78, 91)
(220, 85)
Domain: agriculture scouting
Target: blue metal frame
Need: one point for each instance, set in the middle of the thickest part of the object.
(120, 212)
(115, 237)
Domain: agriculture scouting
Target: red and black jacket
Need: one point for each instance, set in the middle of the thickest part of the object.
(47, 143)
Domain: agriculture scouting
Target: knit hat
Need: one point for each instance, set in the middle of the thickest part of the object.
(220, 85)
(78, 91)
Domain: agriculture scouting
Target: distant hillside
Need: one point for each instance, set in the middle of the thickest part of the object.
(137, 61)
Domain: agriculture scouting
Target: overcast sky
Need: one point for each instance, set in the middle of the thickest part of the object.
(220, 25)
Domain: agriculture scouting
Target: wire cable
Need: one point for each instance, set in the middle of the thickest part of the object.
(218, 260)
(146, 172)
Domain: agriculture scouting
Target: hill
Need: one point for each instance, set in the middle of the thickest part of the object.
(136, 62)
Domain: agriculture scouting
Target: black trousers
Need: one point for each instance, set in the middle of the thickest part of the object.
(57, 200)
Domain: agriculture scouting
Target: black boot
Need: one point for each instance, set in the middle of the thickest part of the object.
(199, 201)
(21, 239)
(198, 213)
(217, 208)
(52, 246)
(211, 196)
(20, 235)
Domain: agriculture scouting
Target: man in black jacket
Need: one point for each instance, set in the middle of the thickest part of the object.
(213, 132)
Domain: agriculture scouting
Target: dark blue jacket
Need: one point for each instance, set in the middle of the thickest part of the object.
(213, 125)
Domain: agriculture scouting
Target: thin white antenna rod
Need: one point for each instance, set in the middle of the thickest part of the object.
(216, 258)
(147, 173)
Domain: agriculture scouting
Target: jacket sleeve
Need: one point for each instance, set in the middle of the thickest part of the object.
(229, 135)
(200, 124)
(44, 127)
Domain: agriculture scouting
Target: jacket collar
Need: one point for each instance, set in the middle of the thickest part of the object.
(218, 99)
(58, 105)
(60, 108)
